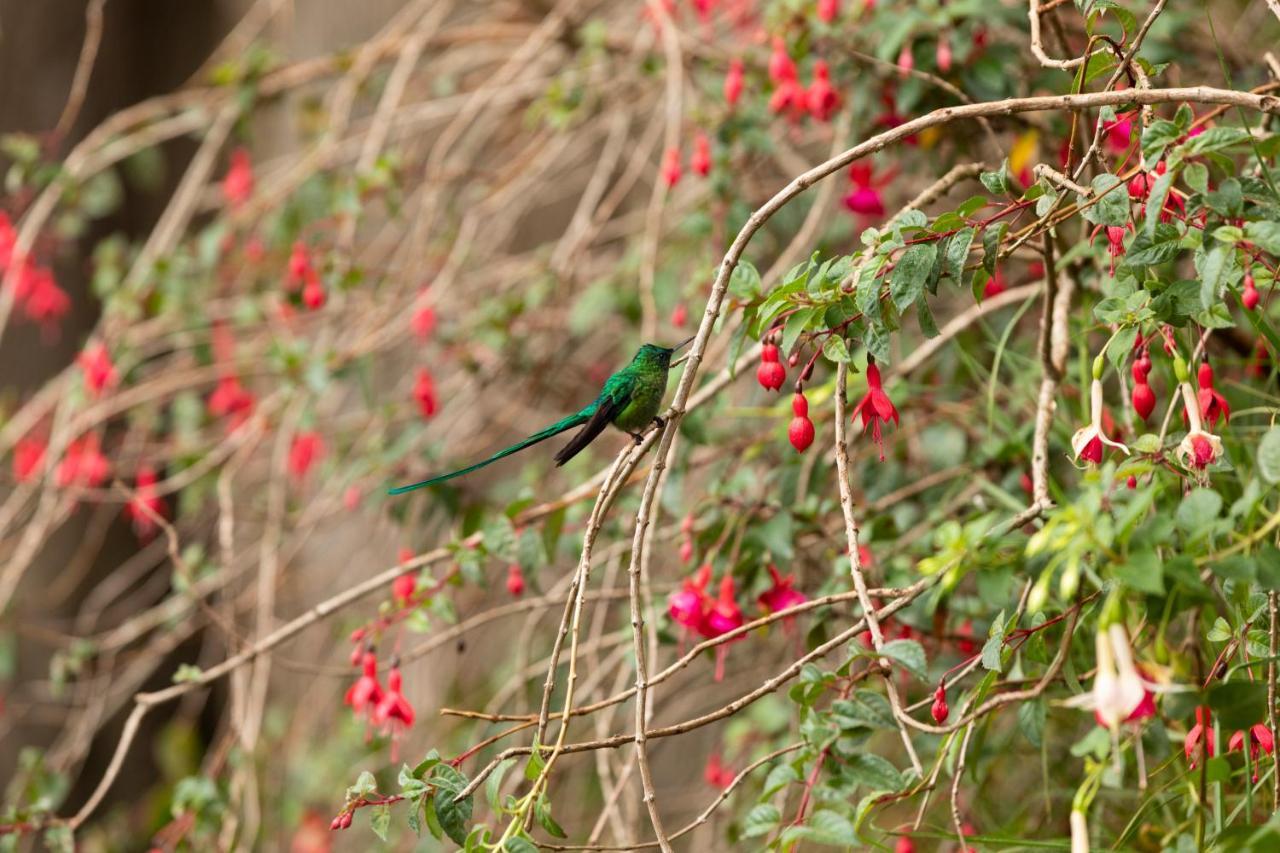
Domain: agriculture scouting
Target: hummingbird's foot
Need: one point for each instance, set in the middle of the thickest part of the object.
(638, 437)
(660, 422)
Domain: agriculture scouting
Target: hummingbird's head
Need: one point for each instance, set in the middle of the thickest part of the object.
(660, 356)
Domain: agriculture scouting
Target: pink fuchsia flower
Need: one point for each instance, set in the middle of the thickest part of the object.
(1088, 441)
(515, 580)
(724, 616)
(1201, 731)
(671, 170)
(800, 433)
(828, 10)
(906, 59)
(300, 269)
(1115, 242)
(1259, 738)
(393, 713)
(307, 449)
(423, 322)
(865, 198)
(716, 774)
(1250, 297)
(230, 400)
(939, 710)
(942, 55)
(146, 503)
(700, 160)
(781, 595)
(28, 459)
(237, 185)
(823, 99)
(46, 303)
(733, 82)
(83, 465)
(364, 695)
(875, 407)
(995, 285)
(1119, 135)
(1120, 693)
(1199, 448)
(99, 372)
(770, 374)
(1212, 404)
(782, 67)
(1140, 185)
(679, 316)
(688, 605)
(424, 393)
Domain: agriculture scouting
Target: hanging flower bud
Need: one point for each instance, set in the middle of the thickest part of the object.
(1141, 184)
(313, 295)
(865, 198)
(1088, 441)
(83, 465)
(686, 550)
(943, 54)
(423, 322)
(904, 845)
(723, 617)
(781, 67)
(99, 372)
(828, 10)
(363, 696)
(733, 82)
(300, 269)
(1251, 296)
(788, 96)
(515, 580)
(801, 430)
(995, 285)
(671, 167)
(1212, 404)
(688, 605)
(1199, 448)
(1144, 399)
(424, 393)
(770, 374)
(237, 185)
(1115, 243)
(145, 504)
(679, 316)
(1202, 730)
(307, 449)
(822, 97)
(28, 459)
(906, 60)
(782, 594)
(940, 710)
(230, 400)
(700, 161)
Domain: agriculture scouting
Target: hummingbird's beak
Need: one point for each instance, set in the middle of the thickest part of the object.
(683, 343)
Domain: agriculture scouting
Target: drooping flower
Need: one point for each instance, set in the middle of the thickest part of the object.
(700, 160)
(423, 322)
(237, 185)
(313, 293)
(716, 774)
(1115, 243)
(393, 713)
(733, 82)
(781, 66)
(306, 449)
(823, 99)
(1120, 693)
(828, 10)
(404, 586)
(1201, 731)
(1250, 297)
(724, 616)
(939, 710)
(1199, 448)
(906, 59)
(1141, 183)
(904, 844)
(1212, 404)
(99, 372)
(770, 374)
(800, 432)
(46, 303)
(995, 285)
(515, 580)
(875, 407)
(83, 465)
(1144, 399)
(8, 239)
(300, 269)
(679, 316)
(364, 695)
(781, 595)
(1119, 135)
(671, 167)
(145, 504)
(789, 97)
(28, 459)
(865, 198)
(424, 393)
(688, 605)
(1259, 739)
(230, 400)
(942, 55)
(1088, 441)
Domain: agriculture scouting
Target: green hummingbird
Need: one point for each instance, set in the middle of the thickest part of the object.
(630, 400)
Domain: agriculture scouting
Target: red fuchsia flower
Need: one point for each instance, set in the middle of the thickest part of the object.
(942, 56)
(515, 580)
(716, 774)
(828, 10)
(865, 198)
(733, 82)
(393, 713)
(770, 374)
(305, 451)
(1144, 399)
(965, 643)
(424, 392)
(313, 295)
(1251, 296)
(363, 696)
(300, 269)
(704, 8)
(1140, 185)
(822, 97)
(781, 66)
(1115, 243)
(1259, 738)
(995, 285)
(875, 407)
(1088, 441)
(688, 605)
(145, 504)
(940, 710)
(99, 372)
(679, 316)
(1026, 483)
(8, 239)
(1119, 135)
(671, 167)
(83, 465)
(904, 845)
(1120, 693)
(781, 596)
(237, 185)
(403, 587)
(789, 96)
(800, 433)
(230, 400)
(1202, 730)
(700, 160)
(28, 459)
(891, 118)
(46, 303)
(906, 60)
(723, 617)
(1212, 404)
(423, 322)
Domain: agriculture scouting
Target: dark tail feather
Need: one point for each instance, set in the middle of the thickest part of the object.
(600, 418)
(555, 429)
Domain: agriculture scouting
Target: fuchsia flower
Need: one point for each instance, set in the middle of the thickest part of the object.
(1115, 243)
(1140, 185)
(906, 60)
(28, 459)
(1212, 404)
(8, 239)
(45, 302)
(781, 66)
(1120, 693)
(423, 322)
(230, 400)
(83, 465)
(99, 372)
(733, 82)
(865, 198)
(875, 406)
(237, 185)
(307, 449)
(299, 269)
(1088, 441)
(688, 605)
(1203, 729)
(942, 55)
(939, 710)
(723, 617)
(800, 432)
(393, 713)
(716, 774)
(823, 99)
(515, 580)
(828, 10)
(424, 392)
(770, 374)
(1199, 448)
(364, 696)
(781, 596)
(995, 285)
(1259, 738)
(1144, 399)
(679, 316)
(1119, 135)
(700, 161)
(313, 293)
(145, 502)
(1250, 297)
(671, 167)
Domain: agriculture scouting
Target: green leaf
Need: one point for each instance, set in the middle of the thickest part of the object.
(908, 278)
(1215, 263)
(991, 239)
(1237, 568)
(779, 777)
(1239, 704)
(1031, 720)
(761, 820)
(835, 350)
(864, 709)
(1264, 235)
(542, 811)
(1143, 571)
(1198, 510)
(1155, 202)
(991, 649)
(365, 785)
(1197, 176)
(1158, 247)
(1268, 559)
(957, 253)
(453, 813)
(825, 827)
(493, 785)
(909, 653)
(1158, 136)
(380, 820)
(1213, 139)
(869, 769)
(744, 282)
(1269, 456)
(517, 844)
(997, 182)
(1112, 207)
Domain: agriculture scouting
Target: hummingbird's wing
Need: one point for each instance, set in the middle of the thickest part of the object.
(612, 400)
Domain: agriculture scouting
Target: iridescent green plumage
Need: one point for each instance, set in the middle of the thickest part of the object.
(630, 400)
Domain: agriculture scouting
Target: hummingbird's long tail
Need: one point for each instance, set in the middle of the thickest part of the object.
(555, 429)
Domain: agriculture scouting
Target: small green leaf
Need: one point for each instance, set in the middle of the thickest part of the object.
(907, 281)
(991, 649)
(1198, 510)
(380, 820)
(1112, 206)
(1239, 704)
(1215, 264)
(761, 820)
(909, 653)
(867, 768)
(957, 253)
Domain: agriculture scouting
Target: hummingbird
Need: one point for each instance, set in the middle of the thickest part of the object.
(630, 400)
